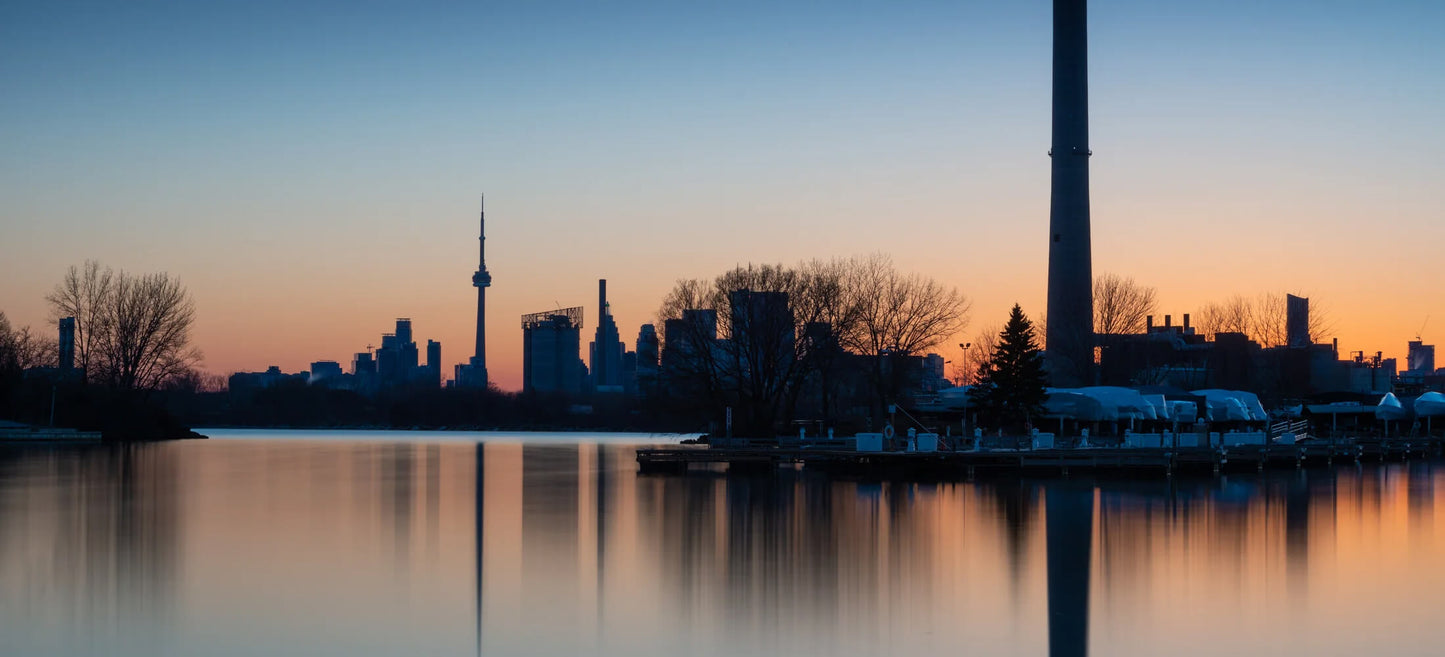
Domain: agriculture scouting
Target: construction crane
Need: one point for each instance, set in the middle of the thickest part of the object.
(1422, 329)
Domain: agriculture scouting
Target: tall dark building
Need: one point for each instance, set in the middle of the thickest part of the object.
(67, 344)
(551, 342)
(606, 350)
(474, 373)
(398, 361)
(409, 356)
(433, 363)
(1297, 321)
(762, 328)
(647, 358)
(1069, 340)
(363, 365)
(687, 343)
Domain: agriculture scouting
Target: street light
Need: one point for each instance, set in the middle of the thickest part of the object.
(967, 362)
(968, 376)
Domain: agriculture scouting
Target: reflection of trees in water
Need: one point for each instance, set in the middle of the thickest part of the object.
(791, 554)
(88, 534)
(1016, 505)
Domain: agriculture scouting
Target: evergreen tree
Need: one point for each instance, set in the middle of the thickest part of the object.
(1010, 390)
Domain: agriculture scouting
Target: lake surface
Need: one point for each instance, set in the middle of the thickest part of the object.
(410, 543)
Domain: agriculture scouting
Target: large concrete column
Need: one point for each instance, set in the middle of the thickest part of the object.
(1069, 339)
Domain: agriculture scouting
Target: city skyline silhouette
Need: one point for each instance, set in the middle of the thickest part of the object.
(312, 173)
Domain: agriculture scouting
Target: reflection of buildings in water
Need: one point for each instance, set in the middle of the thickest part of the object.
(550, 549)
(1421, 480)
(793, 556)
(396, 497)
(537, 545)
(89, 535)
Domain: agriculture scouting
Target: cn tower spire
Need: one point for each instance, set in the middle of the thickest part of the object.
(481, 280)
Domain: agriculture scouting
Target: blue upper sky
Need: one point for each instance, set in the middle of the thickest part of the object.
(224, 140)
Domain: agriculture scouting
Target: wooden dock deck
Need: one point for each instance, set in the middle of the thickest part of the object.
(1097, 460)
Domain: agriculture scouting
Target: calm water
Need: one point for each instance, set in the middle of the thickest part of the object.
(382, 543)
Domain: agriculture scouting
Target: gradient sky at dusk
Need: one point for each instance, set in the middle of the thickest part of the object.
(312, 172)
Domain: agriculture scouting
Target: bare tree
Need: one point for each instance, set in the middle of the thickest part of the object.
(1122, 306)
(1265, 319)
(8, 359)
(900, 316)
(1234, 315)
(24, 349)
(83, 294)
(32, 350)
(754, 337)
(132, 332)
(735, 340)
(978, 351)
(148, 342)
(1270, 320)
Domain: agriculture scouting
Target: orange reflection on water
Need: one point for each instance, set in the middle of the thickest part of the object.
(381, 545)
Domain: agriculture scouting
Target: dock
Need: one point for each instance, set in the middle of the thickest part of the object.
(1123, 461)
(27, 434)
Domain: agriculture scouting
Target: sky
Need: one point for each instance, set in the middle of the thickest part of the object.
(312, 171)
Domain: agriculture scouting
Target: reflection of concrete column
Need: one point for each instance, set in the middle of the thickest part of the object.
(1069, 512)
(480, 505)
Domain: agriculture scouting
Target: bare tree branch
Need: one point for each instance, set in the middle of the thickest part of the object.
(1121, 305)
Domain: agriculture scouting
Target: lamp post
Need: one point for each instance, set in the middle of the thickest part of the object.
(967, 378)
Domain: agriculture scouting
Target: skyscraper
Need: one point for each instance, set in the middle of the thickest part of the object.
(433, 363)
(550, 345)
(1069, 339)
(67, 344)
(648, 349)
(607, 349)
(474, 373)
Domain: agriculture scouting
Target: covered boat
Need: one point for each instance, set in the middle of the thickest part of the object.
(1430, 404)
(1390, 408)
(1232, 406)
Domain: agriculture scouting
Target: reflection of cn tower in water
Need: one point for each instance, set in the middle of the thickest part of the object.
(1069, 518)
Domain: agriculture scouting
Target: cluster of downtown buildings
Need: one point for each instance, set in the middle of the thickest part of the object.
(1179, 356)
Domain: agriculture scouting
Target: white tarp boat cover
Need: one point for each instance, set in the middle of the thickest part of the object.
(1183, 411)
(1098, 403)
(1071, 404)
(1390, 408)
(1232, 405)
(1430, 404)
(955, 398)
(1161, 407)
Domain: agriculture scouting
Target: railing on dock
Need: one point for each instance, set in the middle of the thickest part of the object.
(1148, 453)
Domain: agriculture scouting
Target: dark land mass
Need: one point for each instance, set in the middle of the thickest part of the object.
(301, 406)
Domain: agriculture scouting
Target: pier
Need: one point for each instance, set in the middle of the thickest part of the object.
(1122, 461)
(11, 432)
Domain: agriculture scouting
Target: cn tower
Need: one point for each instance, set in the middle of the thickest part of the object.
(1069, 337)
(481, 280)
